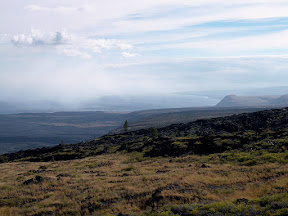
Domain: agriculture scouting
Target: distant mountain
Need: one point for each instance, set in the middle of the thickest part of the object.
(219, 94)
(253, 101)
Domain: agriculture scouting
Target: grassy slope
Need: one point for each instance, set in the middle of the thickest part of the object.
(236, 166)
(131, 184)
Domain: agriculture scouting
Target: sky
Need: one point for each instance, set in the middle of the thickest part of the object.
(69, 50)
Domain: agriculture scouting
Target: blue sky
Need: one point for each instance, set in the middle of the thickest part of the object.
(71, 49)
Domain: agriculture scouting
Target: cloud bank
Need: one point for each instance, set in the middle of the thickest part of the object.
(71, 45)
(91, 48)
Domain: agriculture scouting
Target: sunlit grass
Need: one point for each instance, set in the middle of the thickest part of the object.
(127, 183)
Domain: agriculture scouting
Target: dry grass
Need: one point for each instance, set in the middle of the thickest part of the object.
(110, 184)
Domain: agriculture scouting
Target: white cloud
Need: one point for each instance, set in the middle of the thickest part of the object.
(71, 51)
(128, 54)
(108, 44)
(38, 38)
(36, 8)
(70, 45)
(211, 14)
(113, 16)
(59, 9)
(124, 46)
(210, 73)
(268, 41)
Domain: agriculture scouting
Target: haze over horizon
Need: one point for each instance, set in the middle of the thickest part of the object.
(73, 52)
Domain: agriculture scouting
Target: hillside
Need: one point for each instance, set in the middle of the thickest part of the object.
(36, 130)
(162, 118)
(243, 131)
(233, 165)
(253, 101)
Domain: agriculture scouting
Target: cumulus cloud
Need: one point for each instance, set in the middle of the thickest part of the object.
(71, 45)
(38, 38)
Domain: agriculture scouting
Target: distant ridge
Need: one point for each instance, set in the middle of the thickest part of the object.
(253, 101)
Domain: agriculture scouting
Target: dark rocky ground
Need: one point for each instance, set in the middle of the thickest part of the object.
(266, 129)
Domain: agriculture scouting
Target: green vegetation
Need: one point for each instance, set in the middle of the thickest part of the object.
(136, 185)
(3, 159)
(125, 126)
(154, 132)
(247, 148)
(273, 205)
